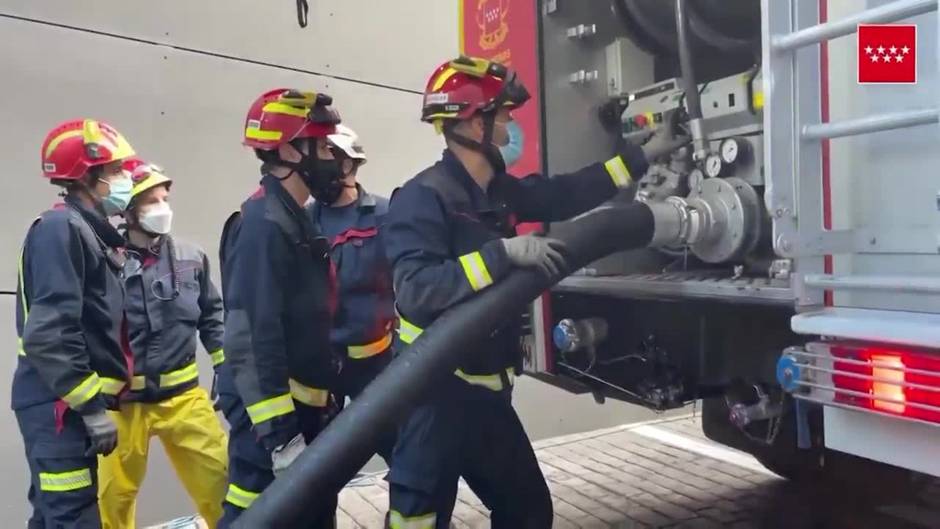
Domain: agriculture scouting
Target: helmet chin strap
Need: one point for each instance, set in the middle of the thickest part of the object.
(485, 147)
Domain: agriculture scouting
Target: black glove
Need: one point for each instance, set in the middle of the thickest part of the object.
(214, 391)
(665, 139)
(334, 406)
(102, 431)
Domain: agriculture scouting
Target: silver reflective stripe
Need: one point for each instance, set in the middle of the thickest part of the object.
(618, 171)
(240, 497)
(268, 409)
(475, 270)
(407, 331)
(65, 481)
(180, 376)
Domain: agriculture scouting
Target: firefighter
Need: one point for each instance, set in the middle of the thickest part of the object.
(169, 298)
(450, 235)
(278, 291)
(350, 218)
(71, 367)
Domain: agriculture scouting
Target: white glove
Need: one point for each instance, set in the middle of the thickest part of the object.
(284, 455)
(530, 251)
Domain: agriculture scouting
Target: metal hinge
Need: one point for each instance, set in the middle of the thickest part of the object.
(582, 31)
(583, 77)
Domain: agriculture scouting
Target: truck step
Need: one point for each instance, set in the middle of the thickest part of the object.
(682, 285)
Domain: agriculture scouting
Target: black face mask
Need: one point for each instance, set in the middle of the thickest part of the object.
(324, 178)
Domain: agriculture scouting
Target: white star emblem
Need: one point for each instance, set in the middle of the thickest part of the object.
(898, 58)
(905, 49)
(893, 50)
(874, 58)
(881, 50)
(868, 50)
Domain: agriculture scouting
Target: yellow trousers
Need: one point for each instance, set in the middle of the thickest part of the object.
(194, 441)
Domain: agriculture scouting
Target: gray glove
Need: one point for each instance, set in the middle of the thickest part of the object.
(284, 455)
(541, 252)
(102, 431)
(663, 141)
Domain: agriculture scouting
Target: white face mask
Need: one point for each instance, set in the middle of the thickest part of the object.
(157, 219)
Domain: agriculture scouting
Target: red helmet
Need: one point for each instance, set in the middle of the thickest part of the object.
(73, 147)
(284, 114)
(460, 88)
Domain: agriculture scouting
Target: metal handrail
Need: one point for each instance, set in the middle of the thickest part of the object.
(859, 394)
(849, 407)
(852, 361)
(881, 380)
(892, 12)
(868, 124)
(916, 285)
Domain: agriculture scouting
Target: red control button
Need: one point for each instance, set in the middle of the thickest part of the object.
(640, 120)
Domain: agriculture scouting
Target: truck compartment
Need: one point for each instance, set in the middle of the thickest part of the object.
(795, 174)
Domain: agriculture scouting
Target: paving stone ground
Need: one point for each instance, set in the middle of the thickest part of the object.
(618, 478)
(666, 475)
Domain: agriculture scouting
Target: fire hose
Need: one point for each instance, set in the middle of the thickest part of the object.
(350, 440)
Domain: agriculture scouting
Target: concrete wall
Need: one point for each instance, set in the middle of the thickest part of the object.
(176, 77)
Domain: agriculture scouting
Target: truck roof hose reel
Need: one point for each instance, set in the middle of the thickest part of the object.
(350, 440)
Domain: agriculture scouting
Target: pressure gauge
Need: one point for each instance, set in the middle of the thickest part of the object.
(730, 150)
(696, 177)
(713, 166)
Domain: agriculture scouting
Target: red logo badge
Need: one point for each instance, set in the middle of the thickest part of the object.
(887, 53)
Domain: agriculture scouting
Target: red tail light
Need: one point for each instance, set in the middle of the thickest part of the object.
(893, 380)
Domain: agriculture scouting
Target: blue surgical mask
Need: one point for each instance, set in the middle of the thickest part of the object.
(119, 197)
(512, 151)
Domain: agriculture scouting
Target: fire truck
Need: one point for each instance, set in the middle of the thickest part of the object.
(805, 314)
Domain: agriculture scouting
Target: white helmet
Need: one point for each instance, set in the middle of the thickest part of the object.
(346, 139)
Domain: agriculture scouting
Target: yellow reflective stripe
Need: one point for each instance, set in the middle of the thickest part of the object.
(441, 79)
(358, 352)
(59, 139)
(284, 108)
(84, 391)
(138, 383)
(217, 356)
(407, 331)
(111, 386)
(270, 408)
(65, 481)
(20, 351)
(618, 171)
(180, 376)
(424, 521)
(266, 135)
(240, 497)
(493, 382)
(475, 270)
(307, 395)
